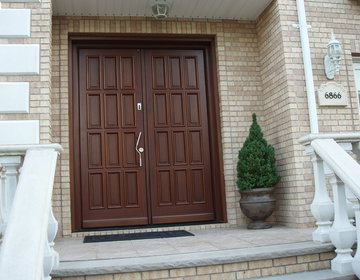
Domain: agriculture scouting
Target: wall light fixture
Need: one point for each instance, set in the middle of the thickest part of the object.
(333, 57)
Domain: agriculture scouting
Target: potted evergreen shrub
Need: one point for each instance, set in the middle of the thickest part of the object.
(256, 176)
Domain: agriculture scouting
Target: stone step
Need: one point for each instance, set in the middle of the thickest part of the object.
(227, 264)
(325, 274)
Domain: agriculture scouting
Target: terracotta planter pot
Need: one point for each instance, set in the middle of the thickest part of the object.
(257, 205)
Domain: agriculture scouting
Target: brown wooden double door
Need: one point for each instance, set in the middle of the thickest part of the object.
(144, 142)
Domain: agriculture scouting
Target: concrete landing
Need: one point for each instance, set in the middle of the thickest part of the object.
(213, 253)
(73, 249)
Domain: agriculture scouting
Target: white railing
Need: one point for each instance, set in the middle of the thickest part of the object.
(332, 163)
(27, 224)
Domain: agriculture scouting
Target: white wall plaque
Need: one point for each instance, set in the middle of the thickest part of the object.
(19, 59)
(24, 132)
(14, 98)
(332, 94)
(15, 23)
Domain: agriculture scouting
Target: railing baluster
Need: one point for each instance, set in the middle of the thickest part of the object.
(342, 232)
(51, 257)
(9, 177)
(351, 203)
(330, 175)
(19, 214)
(2, 205)
(356, 150)
(322, 207)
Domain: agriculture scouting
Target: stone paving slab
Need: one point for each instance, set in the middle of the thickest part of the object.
(72, 249)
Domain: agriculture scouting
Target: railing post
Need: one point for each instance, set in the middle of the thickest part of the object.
(356, 260)
(9, 177)
(322, 207)
(342, 232)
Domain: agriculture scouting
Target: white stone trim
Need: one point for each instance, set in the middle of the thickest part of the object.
(21, 149)
(14, 97)
(19, 59)
(15, 23)
(19, 1)
(22, 132)
(350, 137)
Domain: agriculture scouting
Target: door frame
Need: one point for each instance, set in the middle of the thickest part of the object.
(142, 41)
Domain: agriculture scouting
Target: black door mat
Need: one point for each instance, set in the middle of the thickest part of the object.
(137, 236)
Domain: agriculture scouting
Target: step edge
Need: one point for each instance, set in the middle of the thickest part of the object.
(323, 274)
(136, 264)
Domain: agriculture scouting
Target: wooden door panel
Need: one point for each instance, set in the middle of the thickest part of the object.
(180, 148)
(94, 106)
(95, 153)
(196, 150)
(181, 186)
(112, 182)
(193, 109)
(175, 78)
(163, 154)
(164, 187)
(113, 149)
(128, 110)
(127, 73)
(158, 72)
(111, 110)
(96, 190)
(161, 110)
(191, 72)
(93, 72)
(114, 195)
(179, 162)
(177, 109)
(131, 179)
(198, 186)
(128, 148)
(110, 72)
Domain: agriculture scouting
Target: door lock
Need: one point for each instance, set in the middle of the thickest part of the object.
(139, 106)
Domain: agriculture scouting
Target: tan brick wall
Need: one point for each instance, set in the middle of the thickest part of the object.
(234, 271)
(238, 76)
(343, 18)
(285, 110)
(40, 89)
(260, 70)
(285, 113)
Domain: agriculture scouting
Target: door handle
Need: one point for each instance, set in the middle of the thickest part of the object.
(139, 150)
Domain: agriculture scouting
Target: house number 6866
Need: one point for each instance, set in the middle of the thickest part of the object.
(332, 95)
